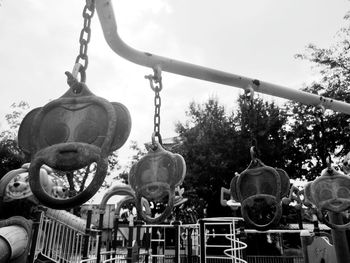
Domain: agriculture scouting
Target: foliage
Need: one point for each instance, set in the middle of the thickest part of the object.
(138, 153)
(13, 120)
(78, 180)
(318, 134)
(11, 156)
(216, 145)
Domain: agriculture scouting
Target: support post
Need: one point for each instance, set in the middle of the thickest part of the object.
(36, 225)
(136, 248)
(176, 225)
(87, 234)
(202, 240)
(243, 237)
(147, 238)
(130, 239)
(100, 228)
(306, 240)
(339, 239)
(115, 237)
(189, 245)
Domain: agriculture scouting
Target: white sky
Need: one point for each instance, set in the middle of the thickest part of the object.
(252, 38)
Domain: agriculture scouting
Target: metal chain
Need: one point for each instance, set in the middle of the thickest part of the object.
(319, 113)
(84, 39)
(156, 79)
(252, 119)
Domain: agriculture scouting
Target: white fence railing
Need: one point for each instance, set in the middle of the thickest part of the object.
(62, 243)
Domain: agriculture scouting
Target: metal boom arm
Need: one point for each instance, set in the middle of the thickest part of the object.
(109, 26)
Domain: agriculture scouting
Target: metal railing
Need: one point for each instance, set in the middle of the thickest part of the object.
(275, 259)
(63, 243)
(221, 241)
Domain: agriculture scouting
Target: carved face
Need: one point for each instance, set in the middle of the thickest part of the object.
(331, 193)
(346, 164)
(70, 133)
(18, 187)
(156, 175)
(260, 189)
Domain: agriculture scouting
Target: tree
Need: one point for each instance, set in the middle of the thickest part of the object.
(13, 120)
(319, 133)
(138, 153)
(216, 145)
(78, 180)
(11, 156)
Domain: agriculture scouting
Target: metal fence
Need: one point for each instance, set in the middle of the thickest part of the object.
(275, 259)
(156, 244)
(62, 243)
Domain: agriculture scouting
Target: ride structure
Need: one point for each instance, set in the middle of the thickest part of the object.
(80, 128)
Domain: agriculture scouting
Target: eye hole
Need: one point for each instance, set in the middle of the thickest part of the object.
(343, 193)
(267, 188)
(86, 132)
(55, 132)
(249, 190)
(326, 194)
(93, 126)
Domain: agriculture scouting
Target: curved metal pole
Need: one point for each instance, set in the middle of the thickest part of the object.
(109, 26)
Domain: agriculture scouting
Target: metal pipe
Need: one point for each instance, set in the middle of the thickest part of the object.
(105, 13)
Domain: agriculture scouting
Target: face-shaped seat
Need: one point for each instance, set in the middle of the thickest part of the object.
(330, 192)
(155, 177)
(259, 189)
(70, 133)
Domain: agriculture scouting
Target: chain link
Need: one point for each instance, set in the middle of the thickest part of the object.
(84, 38)
(157, 104)
(156, 79)
(252, 119)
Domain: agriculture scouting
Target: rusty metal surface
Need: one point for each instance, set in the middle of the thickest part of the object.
(260, 189)
(155, 177)
(69, 133)
(329, 193)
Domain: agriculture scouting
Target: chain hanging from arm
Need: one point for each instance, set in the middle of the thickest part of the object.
(80, 66)
(322, 145)
(156, 85)
(82, 60)
(252, 122)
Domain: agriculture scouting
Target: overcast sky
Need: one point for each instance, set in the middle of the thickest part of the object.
(252, 38)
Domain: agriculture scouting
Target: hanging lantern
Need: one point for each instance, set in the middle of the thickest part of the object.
(155, 177)
(70, 133)
(259, 189)
(329, 193)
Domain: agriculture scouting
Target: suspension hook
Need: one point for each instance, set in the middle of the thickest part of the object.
(249, 93)
(79, 69)
(253, 154)
(155, 78)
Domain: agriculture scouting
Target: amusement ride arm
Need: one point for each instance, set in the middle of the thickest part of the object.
(109, 26)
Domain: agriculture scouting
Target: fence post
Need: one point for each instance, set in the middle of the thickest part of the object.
(189, 245)
(130, 239)
(36, 227)
(99, 240)
(339, 238)
(147, 238)
(115, 237)
(243, 237)
(177, 241)
(87, 234)
(202, 240)
(306, 240)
